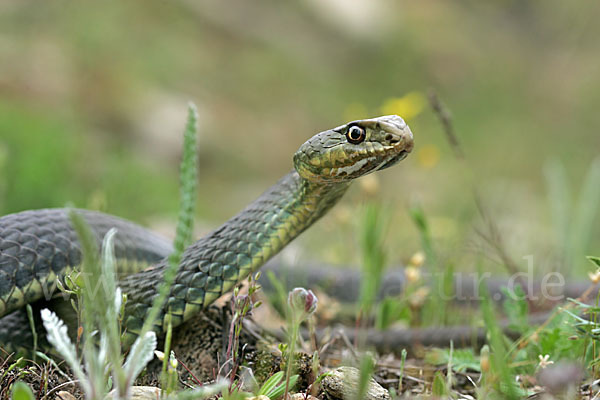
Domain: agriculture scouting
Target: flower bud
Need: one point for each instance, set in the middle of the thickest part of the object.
(159, 354)
(173, 360)
(302, 302)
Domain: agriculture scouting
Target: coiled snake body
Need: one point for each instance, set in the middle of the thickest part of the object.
(39, 247)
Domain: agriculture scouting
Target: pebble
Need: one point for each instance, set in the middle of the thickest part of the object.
(342, 384)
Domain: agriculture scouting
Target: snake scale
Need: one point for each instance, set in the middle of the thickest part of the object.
(37, 248)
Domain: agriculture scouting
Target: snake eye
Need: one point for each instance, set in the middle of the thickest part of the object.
(355, 134)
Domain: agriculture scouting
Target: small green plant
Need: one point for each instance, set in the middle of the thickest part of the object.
(275, 386)
(71, 288)
(516, 309)
(499, 374)
(11, 367)
(169, 364)
(100, 314)
(242, 306)
(302, 304)
(401, 375)
(169, 375)
(439, 387)
(462, 360)
(206, 392)
(443, 387)
(313, 388)
(373, 230)
(567, 335)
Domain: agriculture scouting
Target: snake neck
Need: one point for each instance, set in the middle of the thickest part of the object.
(216, 263)
(265, 226)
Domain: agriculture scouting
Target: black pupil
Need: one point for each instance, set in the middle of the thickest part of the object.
(355, 133)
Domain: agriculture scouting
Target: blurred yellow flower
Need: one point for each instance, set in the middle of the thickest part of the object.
(408, 106)
(428, 156)
(417, 259)
(412, 274)
(417, 299)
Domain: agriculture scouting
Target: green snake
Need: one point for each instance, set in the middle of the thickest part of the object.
(39, 247)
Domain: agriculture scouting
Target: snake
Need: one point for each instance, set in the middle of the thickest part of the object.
(39, 248)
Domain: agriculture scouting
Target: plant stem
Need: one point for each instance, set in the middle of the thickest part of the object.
(291, 349)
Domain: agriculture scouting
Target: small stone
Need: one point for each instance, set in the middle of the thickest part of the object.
(145, 393)
(342, 384)
(62, 395)
(301, 396)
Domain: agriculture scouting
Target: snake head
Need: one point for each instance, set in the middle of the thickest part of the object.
(354, 149)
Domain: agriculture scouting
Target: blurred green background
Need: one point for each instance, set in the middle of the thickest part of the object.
(93, 104)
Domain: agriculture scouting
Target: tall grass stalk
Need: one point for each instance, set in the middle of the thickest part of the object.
(442, 279)
(372, 234)
(185, 221)
(574, 220)
(33, 330)
(504, 383)
(367, 367)
(401, 375)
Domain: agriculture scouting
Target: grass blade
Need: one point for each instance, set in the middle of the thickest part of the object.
(185, 221)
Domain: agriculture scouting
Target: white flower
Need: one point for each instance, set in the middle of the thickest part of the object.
(545, 361)
(595, 276)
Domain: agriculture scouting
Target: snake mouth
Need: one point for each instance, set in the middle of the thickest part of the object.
(397, 158)
(402, 144)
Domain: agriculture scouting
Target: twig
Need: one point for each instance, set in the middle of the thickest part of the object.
(56, 388)
(190, 372)
(446, 119)
(493, 236)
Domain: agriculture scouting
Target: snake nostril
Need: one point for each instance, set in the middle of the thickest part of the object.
(390, 138)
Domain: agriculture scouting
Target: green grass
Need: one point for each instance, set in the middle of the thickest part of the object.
(185, 222)
(372, 233)
(574, 214)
